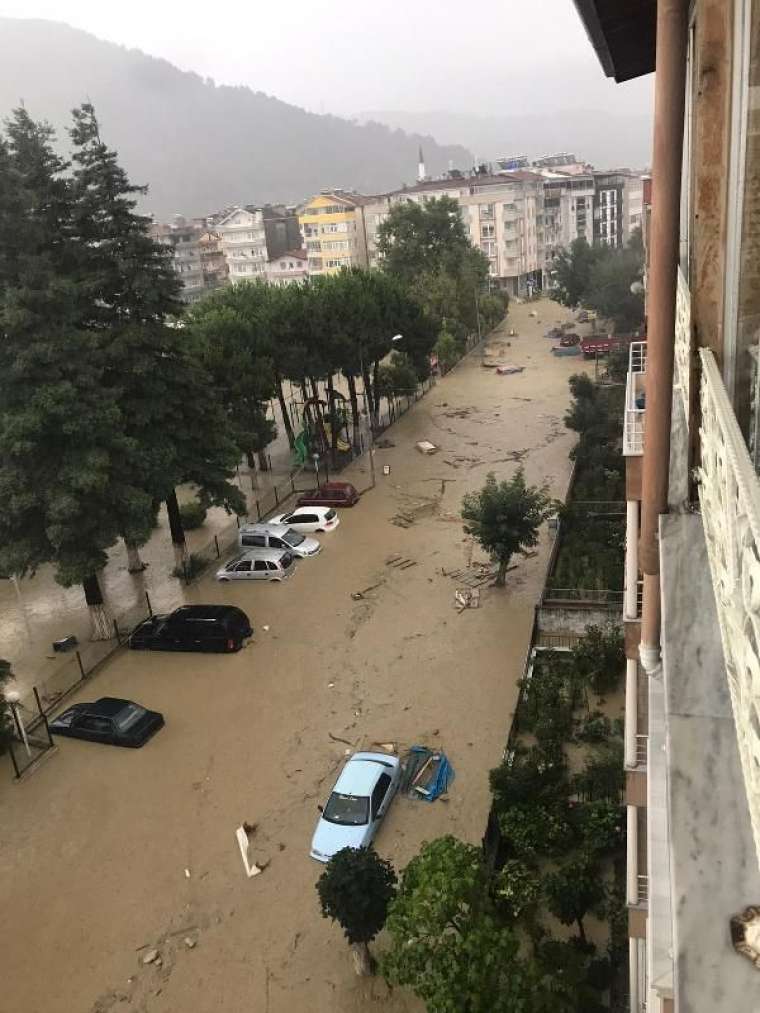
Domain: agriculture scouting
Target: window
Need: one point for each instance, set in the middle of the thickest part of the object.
(486, 211)
(489, 248)
(260, 566)
(379, 793)
(487, 231)
(257, 540)
(243, 567)
(272, 566)
(277, 543)
(92, 723)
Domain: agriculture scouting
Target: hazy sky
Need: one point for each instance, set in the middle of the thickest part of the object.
(346, 56)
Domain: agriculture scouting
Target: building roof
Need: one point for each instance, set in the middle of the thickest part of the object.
(471, 183)
(292, 254)
(623, 33)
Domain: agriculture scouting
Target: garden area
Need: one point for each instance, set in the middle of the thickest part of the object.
(591, 544)
(536, 920)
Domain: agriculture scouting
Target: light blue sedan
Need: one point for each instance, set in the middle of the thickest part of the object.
(361, 797)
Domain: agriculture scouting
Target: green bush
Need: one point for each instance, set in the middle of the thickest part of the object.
(599, 825)
(193, 566)
(533, 775)
(595, 727)
(599, 658)
(193, 515)
(533, 829)
(603, 776)
(516, 887)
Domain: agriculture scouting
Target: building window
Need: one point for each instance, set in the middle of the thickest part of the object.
(486, 211)
(487, 231)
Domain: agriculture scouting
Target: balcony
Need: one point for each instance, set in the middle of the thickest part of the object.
(635, 400)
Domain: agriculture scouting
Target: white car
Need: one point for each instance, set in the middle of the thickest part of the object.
(260, 564)
(308, 519)
(361, 797)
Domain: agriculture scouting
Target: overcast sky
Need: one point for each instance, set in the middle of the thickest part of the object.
(346, 56)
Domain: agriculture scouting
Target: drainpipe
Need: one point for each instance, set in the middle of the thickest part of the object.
(670, 82)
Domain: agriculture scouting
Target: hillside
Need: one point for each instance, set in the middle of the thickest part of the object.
(199, 146)
(602, 138)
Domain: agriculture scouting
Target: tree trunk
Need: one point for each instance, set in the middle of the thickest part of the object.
(284, 411)
(501, 573)
(354, 410)
(101, 619)
(177, 531)
(369, 403)
(251, 460)
(333, 421)
(361, 958)
(263, 462)
(134, 563)
(375, 395)
(581, 930)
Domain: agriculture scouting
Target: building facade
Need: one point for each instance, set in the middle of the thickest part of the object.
(243, 239)
(568, 214)
(288, 268)
(196, 255)
(332, 230)
(618, 201)
(281, 229)
(692, 418)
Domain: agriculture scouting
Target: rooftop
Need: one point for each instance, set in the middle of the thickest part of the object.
(623, 34)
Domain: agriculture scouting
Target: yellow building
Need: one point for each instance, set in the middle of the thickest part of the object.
(333, 230)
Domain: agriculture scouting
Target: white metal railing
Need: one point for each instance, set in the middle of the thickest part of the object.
(682, 349)
(642, 745)
(635, 400)
(729, 495)
(642, 883)
(639, 597)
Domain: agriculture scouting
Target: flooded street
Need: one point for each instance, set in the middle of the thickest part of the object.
(104, 851)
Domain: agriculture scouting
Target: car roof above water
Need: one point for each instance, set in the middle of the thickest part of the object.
(271, 555)
(206, 612)
(360, 774)
(264, 527)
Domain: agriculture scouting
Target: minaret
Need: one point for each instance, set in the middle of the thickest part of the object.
(421, 167)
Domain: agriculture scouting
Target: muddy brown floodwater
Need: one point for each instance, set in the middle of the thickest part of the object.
(94, 846)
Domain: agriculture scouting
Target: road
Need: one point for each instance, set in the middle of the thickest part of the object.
(95, 845)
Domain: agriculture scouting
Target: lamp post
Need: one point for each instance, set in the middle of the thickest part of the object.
(315, 458)
(12, 698)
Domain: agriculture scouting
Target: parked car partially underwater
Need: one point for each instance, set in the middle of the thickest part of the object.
(221, 628)
(110, 720)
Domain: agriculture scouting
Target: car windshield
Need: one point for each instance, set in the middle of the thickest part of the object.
(293, 538)
(129, 716)
(285, 560)
(348, 810)
(329, 515)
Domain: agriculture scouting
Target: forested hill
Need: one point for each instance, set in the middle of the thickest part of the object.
(200, 146)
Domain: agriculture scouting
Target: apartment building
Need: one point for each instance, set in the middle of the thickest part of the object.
(243, 239)
(333, 232)
(618, 201)
(691, 427)
(281, 229)
(568, 213)
(288, 268)
(196, 253)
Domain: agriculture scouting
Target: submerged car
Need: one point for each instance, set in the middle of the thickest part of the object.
(222, 628)
(268, 535)
(338, 494)
(361, 797)
(309, 519)
(110, 720)
(258, 564)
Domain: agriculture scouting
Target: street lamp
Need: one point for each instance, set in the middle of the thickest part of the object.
(315, 458)
(394, 340)
(13, 699)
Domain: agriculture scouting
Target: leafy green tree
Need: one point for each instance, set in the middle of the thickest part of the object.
(448, 350)
(536, 828)
(573, 270)
(419, 237)
(504, 517)
(516, 887)
(599, 657)
(355, 890)
(528, 779)
(603, 776)
(574, 890)
(446, 941)
(609, 291)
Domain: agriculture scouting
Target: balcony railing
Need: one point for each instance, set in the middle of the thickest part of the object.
(729, 495)
(635, 400)
(682, 352)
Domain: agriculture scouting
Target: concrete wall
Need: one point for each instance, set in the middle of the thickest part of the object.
(563, 619)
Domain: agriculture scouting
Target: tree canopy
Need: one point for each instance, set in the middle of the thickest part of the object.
(600, 278)
(504, 517)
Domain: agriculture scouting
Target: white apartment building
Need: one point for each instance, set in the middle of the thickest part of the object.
(568, 213)
(244, 244)
(289, 268)
(196, 256)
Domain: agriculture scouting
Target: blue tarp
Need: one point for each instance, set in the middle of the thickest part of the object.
(438, 775)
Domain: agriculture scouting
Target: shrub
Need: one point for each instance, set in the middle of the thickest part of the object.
(600, 825)
(193, 566)
(596, 727)
(193, 514)
(599, 657)
(516, 887)
(533, 775)
(534, 829)
(603, 776)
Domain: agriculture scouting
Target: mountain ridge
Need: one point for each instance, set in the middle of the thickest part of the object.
(163, 120)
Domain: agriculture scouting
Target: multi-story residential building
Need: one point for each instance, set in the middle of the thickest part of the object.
(502, 214)
(196, 255)
(332, 228)
(617, 206)
(568, 213)
(692, 419)
(290, 267)
(281, 229)
(244, 243)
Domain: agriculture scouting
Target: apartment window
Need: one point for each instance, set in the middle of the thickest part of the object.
(487, 231)
(486, 210)
(489, 248)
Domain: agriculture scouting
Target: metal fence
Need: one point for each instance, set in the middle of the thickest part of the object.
(582, 596)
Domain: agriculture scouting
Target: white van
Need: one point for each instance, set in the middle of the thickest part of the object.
(277, 536)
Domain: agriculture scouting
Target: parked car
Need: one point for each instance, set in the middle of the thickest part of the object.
(258, 564)
(194, 628)
(338, 494)
(353, 812)
(110, 720)
(278, 536)
(309, 519)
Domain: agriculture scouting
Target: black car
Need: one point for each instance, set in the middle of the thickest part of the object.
(110, 720)
(194, 628)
